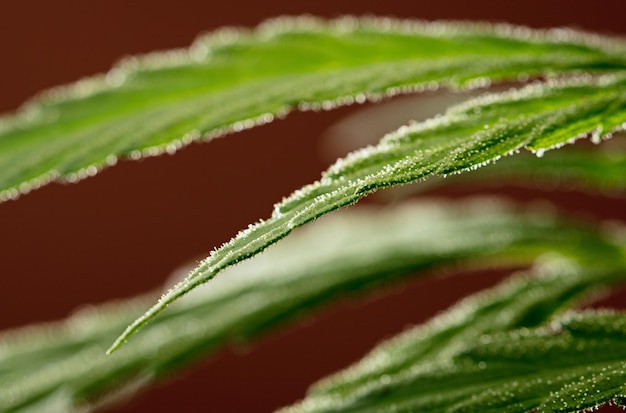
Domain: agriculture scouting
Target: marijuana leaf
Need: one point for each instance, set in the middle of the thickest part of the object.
(464, 361)
(540, 116)
(237, 78)
(493, 352)
(587, 169)
(64, 363)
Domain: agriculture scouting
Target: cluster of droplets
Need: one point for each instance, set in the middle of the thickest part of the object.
(585, 392)
(348, 24)
(172, 147)
(26, 187)
(326, 105)
(81, 174)
(370, 96)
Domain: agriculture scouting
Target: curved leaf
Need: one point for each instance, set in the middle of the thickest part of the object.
(592, 170)
(601, 169)
(65, 362)
(582, 166)
(236, 78)
(540, 116)
(463, 361)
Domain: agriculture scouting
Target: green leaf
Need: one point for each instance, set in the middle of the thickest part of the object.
(65, 363)
(582, 166)
(602, 169)
(540, 116)
(589, 169)
(237, 78)
(464, 361)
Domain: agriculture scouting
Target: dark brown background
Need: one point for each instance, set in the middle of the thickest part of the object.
(122, 232)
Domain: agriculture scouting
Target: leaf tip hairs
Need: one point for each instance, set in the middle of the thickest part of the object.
(166, 299)
(133, 328)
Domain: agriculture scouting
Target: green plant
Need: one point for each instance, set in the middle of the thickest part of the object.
(510, 349)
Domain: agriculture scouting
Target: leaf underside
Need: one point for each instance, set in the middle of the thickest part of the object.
(64, 363)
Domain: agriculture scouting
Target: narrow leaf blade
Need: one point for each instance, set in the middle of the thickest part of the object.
(237, 78)
(66, 362)
(468, 365)
(540, 116)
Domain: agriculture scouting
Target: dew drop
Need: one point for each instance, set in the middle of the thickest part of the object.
(111, 160)
(277, 213)
(115, 77)
(13, 194)
(267, 118)
(238, 126)
(540, 152)
(171, 149)
(198, 52)
(596, 136)
(72, 178)
(91, 170)
(360, 98)
(24, 188)
(328, 105)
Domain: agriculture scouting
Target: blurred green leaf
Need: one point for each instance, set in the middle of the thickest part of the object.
(347, 253)
(464, 360)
